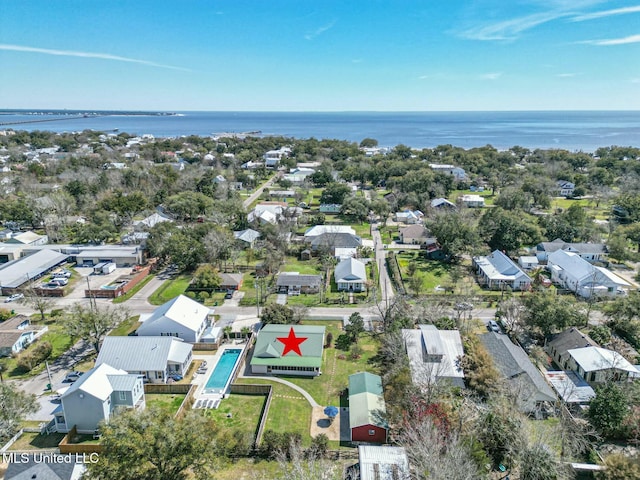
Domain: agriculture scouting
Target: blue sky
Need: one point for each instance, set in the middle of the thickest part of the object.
(323, 55)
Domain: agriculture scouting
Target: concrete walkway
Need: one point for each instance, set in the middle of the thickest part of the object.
(302, 391)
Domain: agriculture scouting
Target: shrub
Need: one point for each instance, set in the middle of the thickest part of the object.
(343, 342)
(329, 340)
(37, 354)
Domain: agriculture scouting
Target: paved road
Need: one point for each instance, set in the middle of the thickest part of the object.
(386, 289)
(254, 196)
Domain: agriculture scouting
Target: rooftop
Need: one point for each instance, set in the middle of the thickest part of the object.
(22, 270)
(141, 354)
(268, 349)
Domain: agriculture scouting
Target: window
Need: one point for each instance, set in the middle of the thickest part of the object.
(123, 395)
(372, 432)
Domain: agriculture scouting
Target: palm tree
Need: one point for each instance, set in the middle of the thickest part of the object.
(227, 332)
(245, 331)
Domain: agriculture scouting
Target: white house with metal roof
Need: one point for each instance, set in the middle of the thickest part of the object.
(181, 317)
(28, 238)
(498, 271)
(155, 358)
(571, 271)
(318, 230)
(598, 365)
(382, 462)
(95, 396)
(351, 275)
(434, 355)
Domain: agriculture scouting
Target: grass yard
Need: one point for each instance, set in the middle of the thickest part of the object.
(433, 272)
(249, 469)
(35, 441)
(126, 327)
(306, 267)
(170, 289)
(244, 410)
(165, 401)
(326, 388)
(134, 290)
(289, 411)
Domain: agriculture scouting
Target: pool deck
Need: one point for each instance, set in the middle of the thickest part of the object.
(210, 400)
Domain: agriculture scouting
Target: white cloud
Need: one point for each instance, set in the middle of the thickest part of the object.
(491, 76)
(320, 30)
(566, 75)
(614, 41)
(606, 13)
(510, 29)
(73, 53)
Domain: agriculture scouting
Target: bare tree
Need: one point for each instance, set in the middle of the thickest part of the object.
(93, 324)
(298, 464)
(39, 302)
(511, 314)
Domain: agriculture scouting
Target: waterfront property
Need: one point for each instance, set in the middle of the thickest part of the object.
(367, 409)
(289, 350)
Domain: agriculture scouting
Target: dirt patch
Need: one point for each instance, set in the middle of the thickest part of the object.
(337, 430)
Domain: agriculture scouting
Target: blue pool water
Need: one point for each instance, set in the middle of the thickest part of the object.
(219, 378)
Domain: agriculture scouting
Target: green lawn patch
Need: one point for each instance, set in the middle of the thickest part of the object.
(126, 327)
(170, 289)
(35, 441)
(165, 401)
(239, 412)
(306, 267)
(134, 290)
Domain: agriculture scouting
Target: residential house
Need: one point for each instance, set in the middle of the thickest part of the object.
(293, 283)
(414, 235)
(573, 390)
(230, 281)
(597, 365)
(409, 217)
(318, 230)
(524, 380)
(43, 466)
(367, 409)
(561, 343)
(351, 275)
(456, 172)
(565, 188)
(282, 194)
(472, 201)
(573, 273)
(247, 238)
(382, 462)
(15, 335)
(180, 317)
(528, 262)
(150, 221)
(497, 271)
(591, 252)
(298, 175)
(334, 241)
(434, 355)
(272, 157)
(273, 212)
(288, 350)
(96, 396)
(155, 358)
(443, 204)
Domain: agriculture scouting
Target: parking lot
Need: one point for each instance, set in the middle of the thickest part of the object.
(89, 280)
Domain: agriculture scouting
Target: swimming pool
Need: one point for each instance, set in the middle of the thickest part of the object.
(219, 379)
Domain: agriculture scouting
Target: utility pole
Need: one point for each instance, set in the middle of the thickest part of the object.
(49, 375)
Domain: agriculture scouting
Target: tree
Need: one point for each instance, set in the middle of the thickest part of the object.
(500, 429)
(632, 232)
(618, 466)
(355, 326)
(155, 445)
(356, 207)
(455, 232)
(507, 230)
(207, 277)
(39, 302)
(539, 462)
(188, 205)
(617, 246)
(547, 312)
(277, 314)
(510, 312)
(343, 342)
(335, 193)
(608, 409)
(227, 332)
(93, 324)
(14, 406)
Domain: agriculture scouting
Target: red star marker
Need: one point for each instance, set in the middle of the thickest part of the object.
(292, 343)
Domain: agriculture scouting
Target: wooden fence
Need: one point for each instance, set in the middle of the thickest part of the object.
(132, 280)
(188, 402)
(65, 445)
(167, 387)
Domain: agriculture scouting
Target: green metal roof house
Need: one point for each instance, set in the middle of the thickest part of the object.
(367, 410)
(288, 350)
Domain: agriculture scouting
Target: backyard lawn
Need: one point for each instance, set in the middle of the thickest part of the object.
(306, 267)
(170, 289)
(34, 441)
(244, 411)
(289, 411)
(126, 327)
(168, 401)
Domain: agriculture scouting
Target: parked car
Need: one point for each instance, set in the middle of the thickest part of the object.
(72, 377)
(492, 326)
(229, 294)
(176, 377)
(60, 281)
(62, 274)
(14, 297)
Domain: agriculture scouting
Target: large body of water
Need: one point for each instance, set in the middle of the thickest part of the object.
(571, 130)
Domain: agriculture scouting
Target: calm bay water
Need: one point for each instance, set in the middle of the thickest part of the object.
(575, 130)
